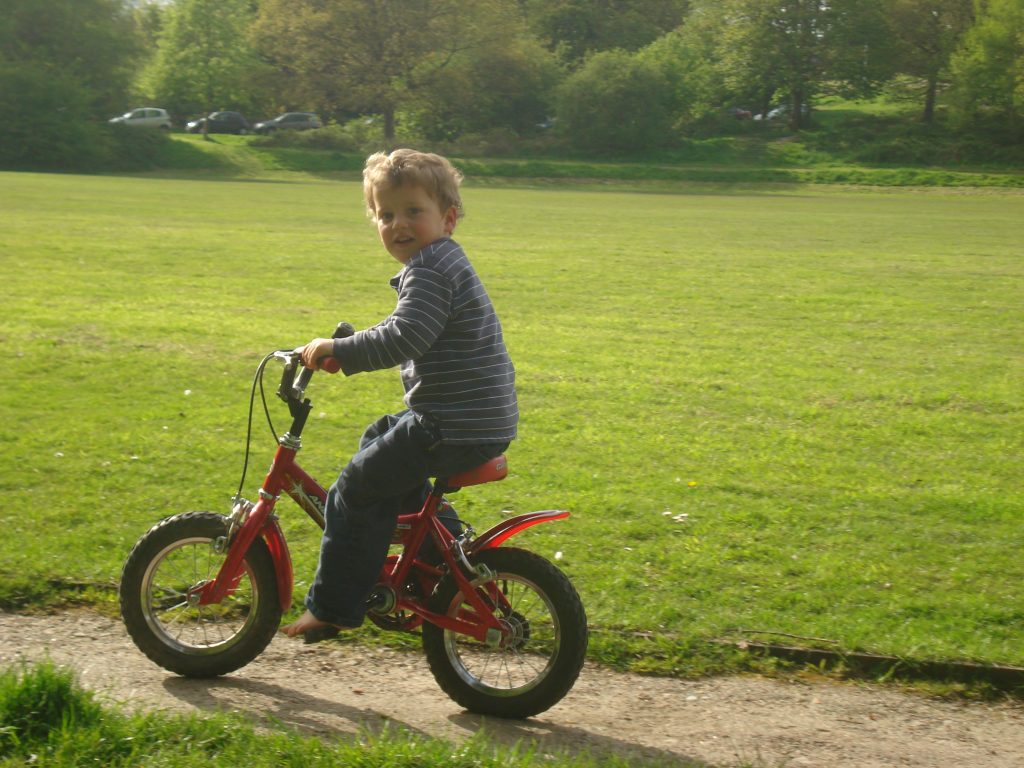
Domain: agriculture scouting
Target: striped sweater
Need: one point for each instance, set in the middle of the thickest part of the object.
(446, 337)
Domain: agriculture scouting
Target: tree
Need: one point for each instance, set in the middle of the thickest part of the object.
(616, 101)
(90, 43)
(929, 31)
(799, 47)
(988, 69)
(507, 88)
(576, 28)
(374, 56)
(204, 60)
(689, 59)
(149, 21)
(64, 69)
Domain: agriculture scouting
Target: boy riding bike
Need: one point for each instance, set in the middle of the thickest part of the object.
(458, 378)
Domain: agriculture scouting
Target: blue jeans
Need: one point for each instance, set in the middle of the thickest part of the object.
(389, 475)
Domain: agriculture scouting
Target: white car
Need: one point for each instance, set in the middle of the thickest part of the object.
(145, 117)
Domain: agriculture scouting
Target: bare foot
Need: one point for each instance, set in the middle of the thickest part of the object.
(304, 624)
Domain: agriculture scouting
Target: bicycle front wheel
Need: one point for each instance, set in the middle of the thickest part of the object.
(176, 555)
(542, 652)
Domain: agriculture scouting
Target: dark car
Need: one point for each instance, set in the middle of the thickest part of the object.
(220, 122)
(296, 121)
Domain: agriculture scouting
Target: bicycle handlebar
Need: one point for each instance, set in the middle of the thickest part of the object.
(329, 364)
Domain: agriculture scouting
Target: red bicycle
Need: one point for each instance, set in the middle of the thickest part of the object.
(503, 630)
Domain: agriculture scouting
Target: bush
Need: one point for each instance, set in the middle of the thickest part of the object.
(615, 102)
(46, 121)
(340, 138)
(505, 88)
(49, 126)
(132, 149)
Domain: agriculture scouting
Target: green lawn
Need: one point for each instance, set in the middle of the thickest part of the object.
(790, 411)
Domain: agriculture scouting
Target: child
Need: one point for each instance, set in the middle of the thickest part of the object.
(458, 378)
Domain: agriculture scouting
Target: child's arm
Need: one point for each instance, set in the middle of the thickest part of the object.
(422, 313)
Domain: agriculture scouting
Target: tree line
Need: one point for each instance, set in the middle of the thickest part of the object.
(606, 74)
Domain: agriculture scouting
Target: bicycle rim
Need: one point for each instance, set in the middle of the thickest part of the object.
(196, 629)
(528, 655)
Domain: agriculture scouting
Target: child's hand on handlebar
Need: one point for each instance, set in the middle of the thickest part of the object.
(315, 351)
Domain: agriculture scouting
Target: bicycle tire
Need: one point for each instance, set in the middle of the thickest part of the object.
(543, 656)
(175, 555)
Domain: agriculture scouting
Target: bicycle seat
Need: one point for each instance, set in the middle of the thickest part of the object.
(495, 469)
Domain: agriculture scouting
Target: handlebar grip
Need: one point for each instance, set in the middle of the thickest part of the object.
(331, 364)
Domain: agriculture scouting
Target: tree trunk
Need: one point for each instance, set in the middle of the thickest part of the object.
(796, 106)
(389, 125)
(766, 103)
(929, 98)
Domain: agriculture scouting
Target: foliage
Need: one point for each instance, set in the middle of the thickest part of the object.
(204, 61)
(54, 129)
(928, 32)
(64, 67)
(87, 44)
(796, 49)
(989, 68)
(485, 72)
(354, 57)
(508, 85)
(688, 58)
(615, 101)
(578, 28)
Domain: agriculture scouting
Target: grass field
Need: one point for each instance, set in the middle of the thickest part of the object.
(794, 410)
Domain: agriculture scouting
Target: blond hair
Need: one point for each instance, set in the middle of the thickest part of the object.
(431, 172)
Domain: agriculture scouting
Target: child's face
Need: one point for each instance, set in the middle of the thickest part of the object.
(408, 219)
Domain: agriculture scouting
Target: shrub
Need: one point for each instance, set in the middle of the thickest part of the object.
(615, 102)
(49, 126)
(47, 122)
(340, 138)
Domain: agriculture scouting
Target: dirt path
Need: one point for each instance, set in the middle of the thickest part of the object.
(338, 689)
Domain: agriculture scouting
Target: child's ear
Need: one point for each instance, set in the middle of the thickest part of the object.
(450, 217)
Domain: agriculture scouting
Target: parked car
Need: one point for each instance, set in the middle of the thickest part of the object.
(782, 112)
(298, 121)
(144, 117)
(220, 122)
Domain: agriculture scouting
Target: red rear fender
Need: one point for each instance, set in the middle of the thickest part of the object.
(496, 536)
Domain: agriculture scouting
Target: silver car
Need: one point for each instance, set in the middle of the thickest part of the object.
(144, 117)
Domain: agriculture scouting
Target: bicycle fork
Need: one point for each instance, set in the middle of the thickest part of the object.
(248, 521)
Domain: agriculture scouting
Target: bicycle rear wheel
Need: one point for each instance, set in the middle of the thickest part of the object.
(542, 654)
(176, 555)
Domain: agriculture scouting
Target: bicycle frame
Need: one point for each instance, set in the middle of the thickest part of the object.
(286, 477)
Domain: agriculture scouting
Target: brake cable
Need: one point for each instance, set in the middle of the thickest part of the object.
(257, 379)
